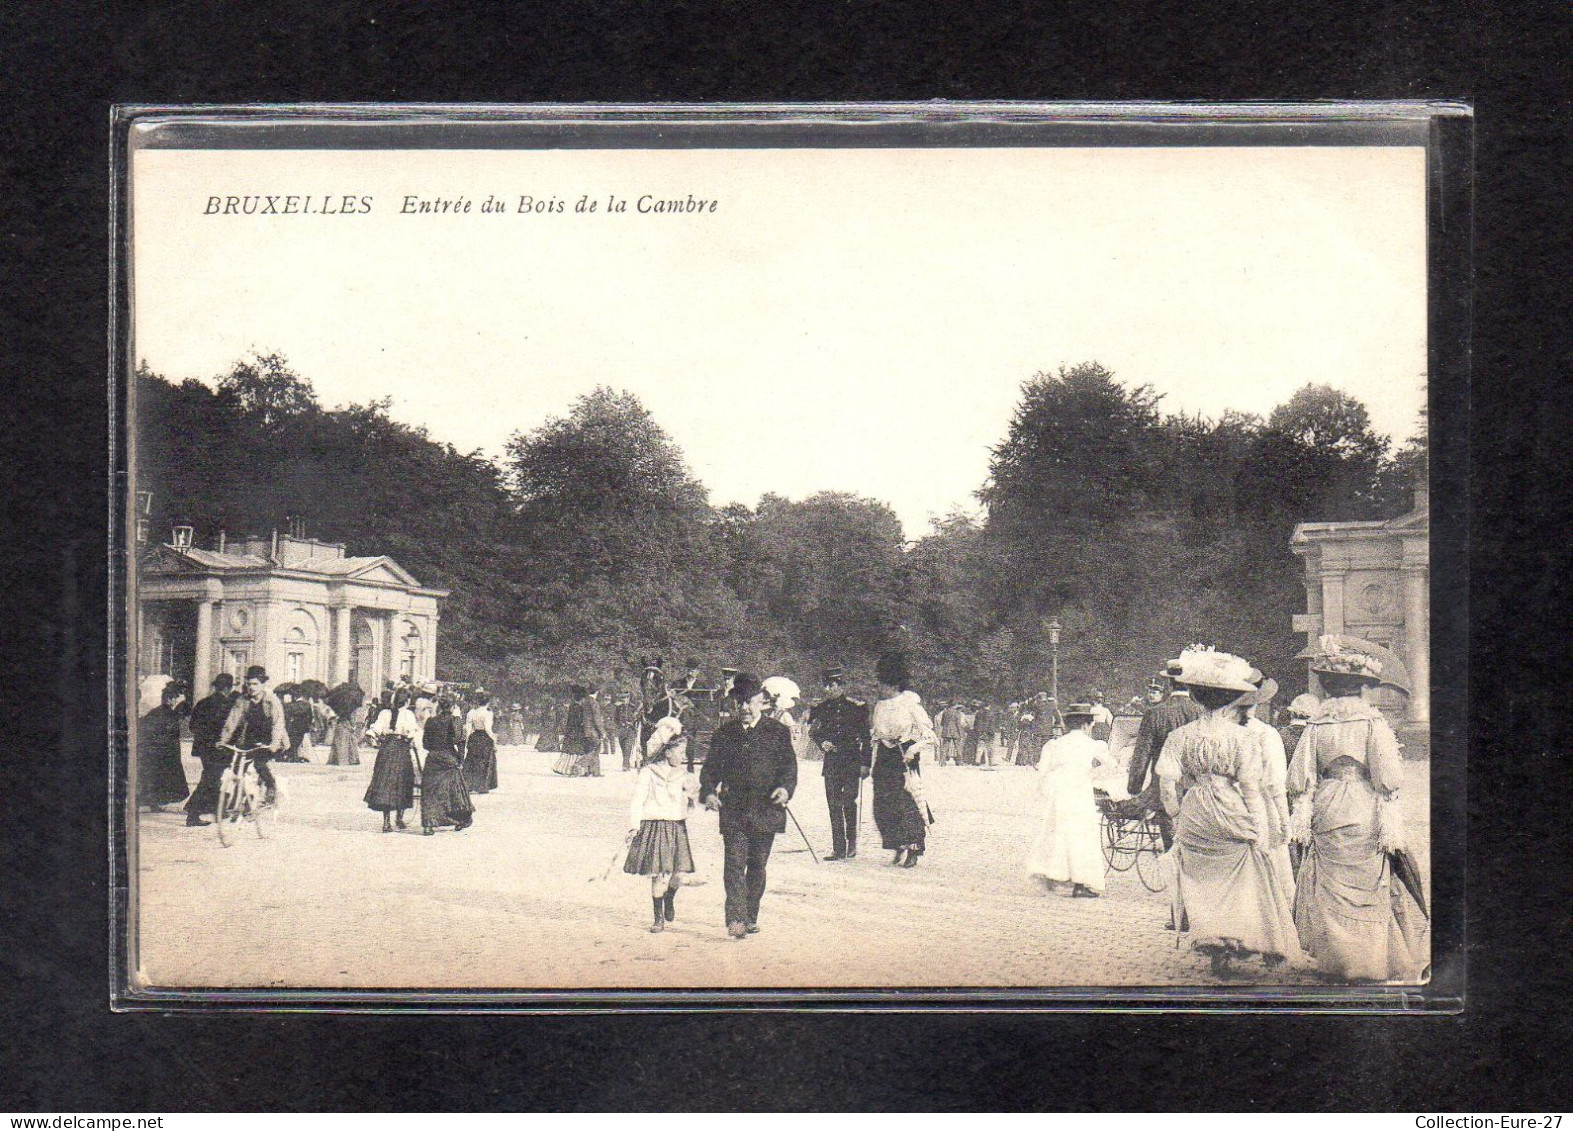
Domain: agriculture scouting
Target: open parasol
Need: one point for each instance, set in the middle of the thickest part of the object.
(1394, 673)
(782, 691)
(344, 699)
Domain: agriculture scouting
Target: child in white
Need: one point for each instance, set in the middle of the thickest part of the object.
(658, 818)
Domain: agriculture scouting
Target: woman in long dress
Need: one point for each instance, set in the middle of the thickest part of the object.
(1275, 771)
(445, 799)
(1344, 781)
(572, 761)
(392, 788)
(901, 731)
(1210, 779)
(1066, 849)
(161, 779)
(344, 705)
(480, 747)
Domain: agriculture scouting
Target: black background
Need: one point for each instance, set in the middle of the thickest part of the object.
(63, 65)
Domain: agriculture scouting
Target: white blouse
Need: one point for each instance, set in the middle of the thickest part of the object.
(902, 718)
(479, 719)
(407, 726)
(662, 792)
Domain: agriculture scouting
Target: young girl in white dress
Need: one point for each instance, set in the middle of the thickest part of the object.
(658, 815)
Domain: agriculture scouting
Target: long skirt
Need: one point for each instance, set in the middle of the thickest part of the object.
(550, 741)
(1351, 916)
(575, 759)
(1225, 885)
(896, 814)
(344, 745)
(480, 762)
(445, 799)
(1066, 848)
(660, 848)
(392, 787)
(161, 779)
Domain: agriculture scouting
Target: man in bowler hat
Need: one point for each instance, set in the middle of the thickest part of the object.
(750, 776)
(840, 729)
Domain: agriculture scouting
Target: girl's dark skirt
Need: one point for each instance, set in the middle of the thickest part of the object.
(896, 815)
(660, 848)
(480, 762)
(392, 787)
(445, 799)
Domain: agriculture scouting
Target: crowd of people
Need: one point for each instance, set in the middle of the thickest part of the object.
(1281, 844)
(1283, 859)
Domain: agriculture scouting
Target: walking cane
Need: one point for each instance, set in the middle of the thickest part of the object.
(801, 833)
(621, 849)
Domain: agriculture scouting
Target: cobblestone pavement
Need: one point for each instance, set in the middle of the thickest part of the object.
(517, 900)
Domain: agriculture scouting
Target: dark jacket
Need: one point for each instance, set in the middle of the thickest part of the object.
(207, 723)
(745, 767)
(843, 722)
(1157, 724)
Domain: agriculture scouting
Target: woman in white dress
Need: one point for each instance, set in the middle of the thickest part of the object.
(1227, 893)
(1066, 849)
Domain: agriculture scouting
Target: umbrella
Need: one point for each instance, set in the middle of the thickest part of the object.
(782, 690)
(1394, 673)
(345, 698)
(1408, 873)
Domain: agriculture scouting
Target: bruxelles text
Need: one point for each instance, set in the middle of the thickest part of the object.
(416, 205)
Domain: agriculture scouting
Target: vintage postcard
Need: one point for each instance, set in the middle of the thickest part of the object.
(683, 564)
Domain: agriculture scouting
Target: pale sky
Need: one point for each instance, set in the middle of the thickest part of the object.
(856, 320)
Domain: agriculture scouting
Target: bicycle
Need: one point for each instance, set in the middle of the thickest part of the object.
(241, 796)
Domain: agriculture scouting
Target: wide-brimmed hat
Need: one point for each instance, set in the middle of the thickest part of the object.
(664, 734)
(1340, 654)
(1265, 692)
(1077, 711)
(1206, 667)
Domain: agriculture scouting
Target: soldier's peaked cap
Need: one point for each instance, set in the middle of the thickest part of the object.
(835, 675)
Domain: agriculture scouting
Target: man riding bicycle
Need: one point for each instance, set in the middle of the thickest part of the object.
(256, 722)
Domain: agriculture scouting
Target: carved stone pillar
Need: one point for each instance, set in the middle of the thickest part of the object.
(202, 657)
(1417, 641)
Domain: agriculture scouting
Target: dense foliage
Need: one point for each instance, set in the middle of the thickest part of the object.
(592, 543)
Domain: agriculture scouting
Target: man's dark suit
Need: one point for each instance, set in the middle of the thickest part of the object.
(207, 723)
(1157, 724)
(745, 766)
(843, 723)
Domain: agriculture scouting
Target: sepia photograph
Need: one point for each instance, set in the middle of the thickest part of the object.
(665, 564)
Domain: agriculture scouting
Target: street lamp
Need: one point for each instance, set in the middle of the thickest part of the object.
(1054, 627)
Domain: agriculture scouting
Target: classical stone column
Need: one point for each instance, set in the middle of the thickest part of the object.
(390, 650)
(202, 658)
(1417, 641)
(340, 666)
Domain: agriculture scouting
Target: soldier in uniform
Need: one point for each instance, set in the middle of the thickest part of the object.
(841, 729)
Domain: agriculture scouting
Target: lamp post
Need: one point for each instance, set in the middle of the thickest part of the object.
(1054, 627)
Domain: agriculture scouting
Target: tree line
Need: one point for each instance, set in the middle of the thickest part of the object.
(590, 543)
